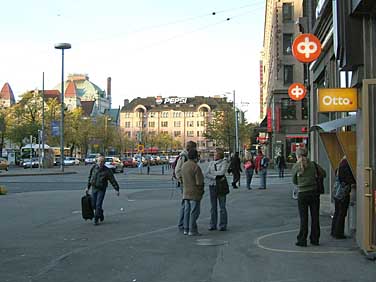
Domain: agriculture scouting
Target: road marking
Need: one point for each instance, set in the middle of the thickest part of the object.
(257, 242)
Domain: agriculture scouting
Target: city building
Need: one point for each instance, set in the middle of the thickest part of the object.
(346, 30)
(6, 96)
(183, 118)
(284, 121)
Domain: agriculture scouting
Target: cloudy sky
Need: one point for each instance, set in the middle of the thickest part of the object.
(148, 47)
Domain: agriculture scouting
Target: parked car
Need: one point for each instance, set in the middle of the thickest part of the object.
(172, 159)
(27, 163)
(4, 164)
(163, 160)
(129, 162)
(91, 159)
(114, 163)
(71, 161)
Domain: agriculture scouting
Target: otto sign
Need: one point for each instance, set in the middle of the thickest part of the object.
(172, 100)
(306, 48)
(297, 91)
(337, 99)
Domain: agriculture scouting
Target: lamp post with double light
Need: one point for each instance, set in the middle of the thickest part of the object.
(62, 47)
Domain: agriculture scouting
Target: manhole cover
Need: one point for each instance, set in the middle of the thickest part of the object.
(210, 242)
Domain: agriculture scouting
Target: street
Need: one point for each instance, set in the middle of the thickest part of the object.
(43, 237)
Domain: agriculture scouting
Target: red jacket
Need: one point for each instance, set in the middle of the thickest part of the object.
(258, 162)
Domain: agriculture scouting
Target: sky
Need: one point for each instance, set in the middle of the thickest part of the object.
(148, 47)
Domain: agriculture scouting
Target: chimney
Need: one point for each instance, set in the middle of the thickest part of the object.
(109, 90)
(126, 102)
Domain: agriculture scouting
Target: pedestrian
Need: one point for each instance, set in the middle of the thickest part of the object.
(235, 169)
(193, 189)
(262, 163)
(345, 178)
(304, 176)
(249, 166)
(182, 158)
(217, 168)
(281, 165)
(98, 181)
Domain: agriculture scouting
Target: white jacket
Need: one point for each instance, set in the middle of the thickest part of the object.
(211, 172)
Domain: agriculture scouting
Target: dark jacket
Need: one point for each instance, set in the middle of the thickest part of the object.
(235, 166)
(99, 177)
(344, 172)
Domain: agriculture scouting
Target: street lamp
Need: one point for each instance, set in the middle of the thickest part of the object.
(62, 47)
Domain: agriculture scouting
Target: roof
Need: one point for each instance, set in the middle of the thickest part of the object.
(70, 91)
(83, 87)
(113, 114)
(52, 94)
(334, 124)
(7, 93)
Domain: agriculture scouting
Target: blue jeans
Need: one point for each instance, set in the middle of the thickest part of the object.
(191, 214)
(214, 200)
(97, 202)
(181, 215)
(249, 175)
(263, 178)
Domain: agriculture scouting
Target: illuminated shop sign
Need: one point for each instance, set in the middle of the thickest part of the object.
(337, 99)
(173, 100)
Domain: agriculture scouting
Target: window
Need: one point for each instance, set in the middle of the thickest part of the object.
(287, 43)
(177, 133)
(164, 124)
(288, 74)
(151, 123)
(189, 114)
(200, 123)
(139, 124)
(287, 12)
(176, 114)
(190, 133)
(127, 124)
(128, 134)
(304, 109)
(190, 123)
(288, 109)
(127, 115)
(152, 114)
(177, 123)
(164, 114)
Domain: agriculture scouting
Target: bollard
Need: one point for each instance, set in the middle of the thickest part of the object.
(148, 170)
(162, 170)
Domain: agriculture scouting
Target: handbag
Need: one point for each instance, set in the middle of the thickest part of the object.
(341, 190)
(221, 184)
(248, 165)
(319, 181)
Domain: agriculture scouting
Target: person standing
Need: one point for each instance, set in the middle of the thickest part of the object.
(281, 164)
(183, 157)
(249, 166)
(345, 177)
(304, 176)
(193, 189)
(217, 168)
(262, 163)
(235, 169)
(99, 177)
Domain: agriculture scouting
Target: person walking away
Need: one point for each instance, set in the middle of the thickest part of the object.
(182, 158)
(262, 163)
(304, 176)
(249, 166)
(193, 189)
(345, 177)
(99, 177)
(235, 169)
(281, 165)
(215, 169)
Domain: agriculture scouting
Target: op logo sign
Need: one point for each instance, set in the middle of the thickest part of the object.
(297, 91)
(306, 48)
(337, 99)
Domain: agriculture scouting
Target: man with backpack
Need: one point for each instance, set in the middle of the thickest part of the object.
(262, 163)
(180, 160)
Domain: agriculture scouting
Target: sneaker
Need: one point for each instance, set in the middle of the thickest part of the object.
(212, 228)
(185, 232)
(194, 234)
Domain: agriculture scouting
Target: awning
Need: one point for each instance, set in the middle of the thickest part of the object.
(334, 124)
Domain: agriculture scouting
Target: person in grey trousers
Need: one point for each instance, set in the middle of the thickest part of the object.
(218, 167)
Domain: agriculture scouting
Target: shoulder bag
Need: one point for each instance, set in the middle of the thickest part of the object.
(319, 180)
(221, 184)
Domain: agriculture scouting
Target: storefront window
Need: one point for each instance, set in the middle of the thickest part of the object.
(288, 109)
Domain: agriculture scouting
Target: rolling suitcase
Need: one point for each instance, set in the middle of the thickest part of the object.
(87, 210)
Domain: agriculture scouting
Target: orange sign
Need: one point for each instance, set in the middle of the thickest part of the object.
(297, 91)
(306, 48)
(140, 148)
(337, 99)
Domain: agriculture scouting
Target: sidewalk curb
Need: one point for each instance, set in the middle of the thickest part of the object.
(37, 174)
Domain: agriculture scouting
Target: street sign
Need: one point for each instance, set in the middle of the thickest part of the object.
(306, 48)
(140, 148)
(297, 91)
(337, 99)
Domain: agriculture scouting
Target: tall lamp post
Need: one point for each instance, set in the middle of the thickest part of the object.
(62, 47)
